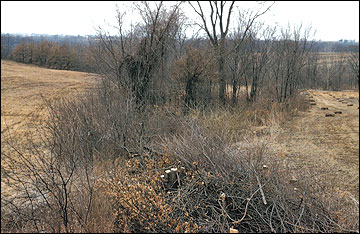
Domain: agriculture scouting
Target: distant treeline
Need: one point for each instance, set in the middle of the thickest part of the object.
(71, 52)
(90, 54)
(57, 52)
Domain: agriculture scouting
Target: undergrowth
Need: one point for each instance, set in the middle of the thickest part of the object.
(104, 167)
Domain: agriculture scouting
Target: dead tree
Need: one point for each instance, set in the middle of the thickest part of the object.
(311, 75)
(239, 47)
(260, 54)
(131, 58)
(217, 38)
(288, 61)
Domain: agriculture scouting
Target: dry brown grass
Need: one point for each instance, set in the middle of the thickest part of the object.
(22, 87)
(331, 57)
(328, 150)
(22, 106)
(328, 146)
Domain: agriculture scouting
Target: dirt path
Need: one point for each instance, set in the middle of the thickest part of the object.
(327, 146)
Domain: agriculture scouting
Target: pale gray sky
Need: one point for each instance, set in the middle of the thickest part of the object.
(333, 20)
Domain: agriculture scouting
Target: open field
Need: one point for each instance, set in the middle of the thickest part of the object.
(331, 57)
(22, 87)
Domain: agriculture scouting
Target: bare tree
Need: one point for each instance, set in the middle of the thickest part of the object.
(288, 61)
(220, 17)
(217, 15)
(19, 53)
(195, 73)
(5, 45)
(311, 78)
(260, 54)
(238, 62)
(131, 58)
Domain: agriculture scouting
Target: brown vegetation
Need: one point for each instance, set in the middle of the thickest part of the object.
(22, 87)
(157, 145)
(52, 55)
(226, 155)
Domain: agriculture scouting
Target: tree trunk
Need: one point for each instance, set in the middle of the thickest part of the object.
(221, 63)
(234, 90)
(189, 95)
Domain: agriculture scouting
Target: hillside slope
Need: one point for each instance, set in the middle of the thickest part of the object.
(23, 85)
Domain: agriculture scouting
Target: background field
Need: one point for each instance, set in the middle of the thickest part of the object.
(22, 105)
(22, 88)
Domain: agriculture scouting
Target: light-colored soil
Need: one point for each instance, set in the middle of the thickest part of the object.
(327, 146)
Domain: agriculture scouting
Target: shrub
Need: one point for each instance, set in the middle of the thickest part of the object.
(244, 187)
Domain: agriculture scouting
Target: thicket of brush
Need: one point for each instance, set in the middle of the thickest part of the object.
(160, 146)
(101, 167)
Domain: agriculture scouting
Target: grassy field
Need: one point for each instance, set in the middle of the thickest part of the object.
(330, 57)
(22, 105)
(22, 89)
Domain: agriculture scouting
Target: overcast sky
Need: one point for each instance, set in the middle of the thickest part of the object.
(332, 20)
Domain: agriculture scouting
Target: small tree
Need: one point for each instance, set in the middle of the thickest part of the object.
(218, 38)
(311, 77)
(130, 59)
(260, 48)
(289, 60)
(239, 47)
(19, 53)
(195, 71)
(42, 52)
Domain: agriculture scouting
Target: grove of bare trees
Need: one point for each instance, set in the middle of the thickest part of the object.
(265, 60)
(52, 55)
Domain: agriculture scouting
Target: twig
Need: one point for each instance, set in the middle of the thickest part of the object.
(246, 208)
(261, 191)
(301, 214)
(271, 214)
